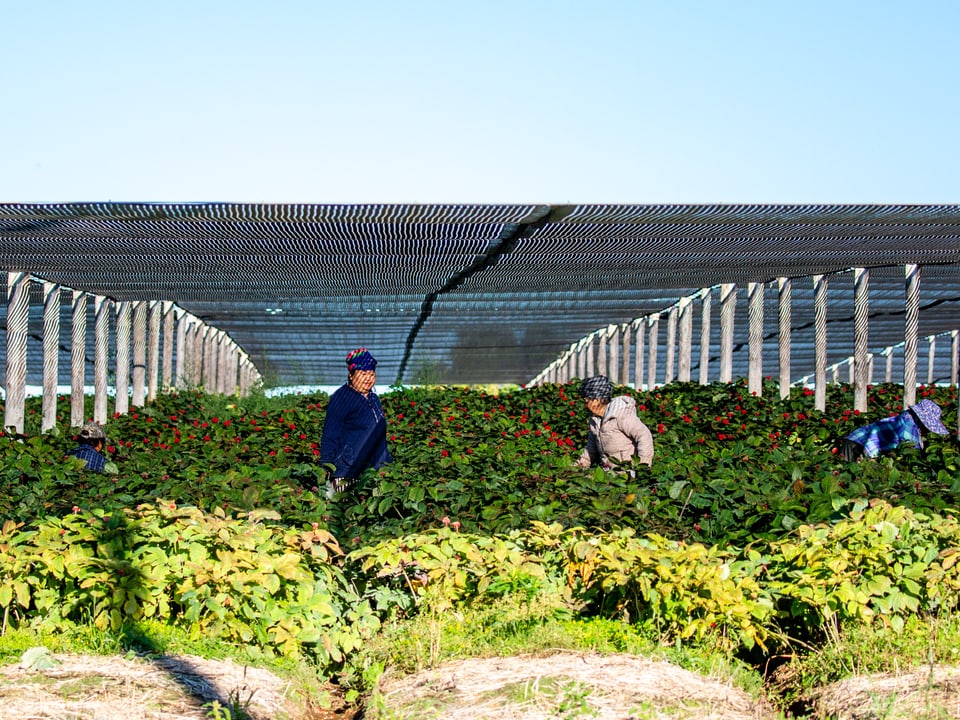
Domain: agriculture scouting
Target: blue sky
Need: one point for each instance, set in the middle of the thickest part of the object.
(513, 101)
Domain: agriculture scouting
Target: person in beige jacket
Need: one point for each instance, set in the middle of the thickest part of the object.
(616, 433)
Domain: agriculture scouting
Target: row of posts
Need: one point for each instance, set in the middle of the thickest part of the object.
(158, 347)
(614, 342)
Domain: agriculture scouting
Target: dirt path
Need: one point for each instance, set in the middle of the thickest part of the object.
(167, 688)
(565, 685)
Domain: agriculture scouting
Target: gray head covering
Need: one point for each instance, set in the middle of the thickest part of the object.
(597, 387)
(92, 431)
(929, 413)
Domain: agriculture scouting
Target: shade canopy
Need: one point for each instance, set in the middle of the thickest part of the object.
(480, 293)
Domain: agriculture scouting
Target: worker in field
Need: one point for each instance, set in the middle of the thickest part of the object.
(888, 434)
(91, 441)
(355, 430)
(616, 433)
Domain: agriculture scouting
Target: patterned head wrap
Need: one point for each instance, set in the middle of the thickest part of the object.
(360, 359)
(92, 431)
(597, 387)
(929, 413)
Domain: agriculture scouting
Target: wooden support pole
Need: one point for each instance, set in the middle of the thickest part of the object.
(199, 354)
(51, 355)
(638, 355)
(784, 301)
(911, 333)
(211, 360)
(78, 357)
(728, 307)
(820, 342)
(706, 300)
(154, 309)
(223, 364)
(18, 321)
(625, 353)
(121, 399)
(954, 358)
(931, 354)
(755, 332)
(684, 338)
(669, 363)
(101, 353)
(169, 320)
(139, 353)
(602, 343)
(861, 327)
(653, 337)
(180, 362)
(613, 352)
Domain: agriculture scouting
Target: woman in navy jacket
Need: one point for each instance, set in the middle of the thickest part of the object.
(355, 429)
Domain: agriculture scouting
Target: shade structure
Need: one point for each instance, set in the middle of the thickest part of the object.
(479, 293)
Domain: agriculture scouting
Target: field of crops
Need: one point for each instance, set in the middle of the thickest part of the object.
(748, 533)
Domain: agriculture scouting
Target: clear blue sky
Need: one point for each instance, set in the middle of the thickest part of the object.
(493, 101)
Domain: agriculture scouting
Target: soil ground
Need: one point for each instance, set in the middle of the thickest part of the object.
(167, 688)
(566, 685)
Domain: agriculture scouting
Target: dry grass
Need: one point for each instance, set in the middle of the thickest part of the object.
(566, 685)
(927, 694)
(172, 688)
(563, 685)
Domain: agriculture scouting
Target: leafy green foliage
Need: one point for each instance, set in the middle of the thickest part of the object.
(748, 533)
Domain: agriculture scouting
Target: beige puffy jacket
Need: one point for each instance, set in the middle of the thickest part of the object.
(618, 435)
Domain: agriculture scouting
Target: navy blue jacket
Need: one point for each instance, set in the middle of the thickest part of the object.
(354, 433)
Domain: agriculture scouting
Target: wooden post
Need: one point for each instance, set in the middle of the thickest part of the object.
(613, 352)
(18, 322)
(78, 357)
(669, 363)
(705, 303)
(51, 355)
(784, 298)
(728, 307)
(861, 326)
(166, 381)
(638, 336)
(685, 338)
(653, 336)
(223, 364)
(911, 334)
(153, 345)
(184, 337)
(602, 342)
(199, 353)
(101, 352)
(625, 353)
(755, 331)
(820, 342)
(954, 358)
(121, 399)
(211, 360)
(889, 370)
(139, 353)
(931, 353)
